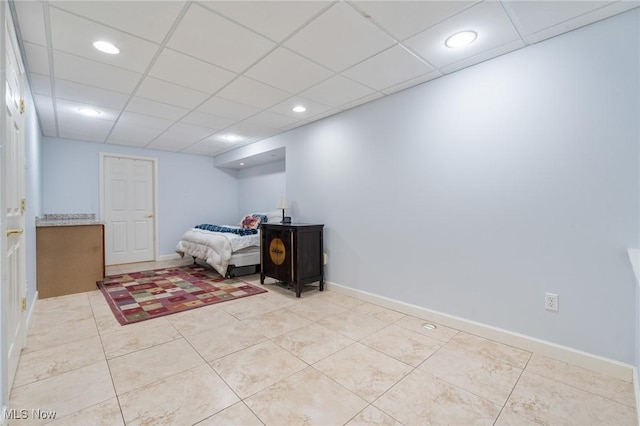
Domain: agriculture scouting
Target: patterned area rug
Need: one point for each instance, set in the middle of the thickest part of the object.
(139, 296)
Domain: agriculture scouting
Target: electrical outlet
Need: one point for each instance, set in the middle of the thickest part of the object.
(551, 302)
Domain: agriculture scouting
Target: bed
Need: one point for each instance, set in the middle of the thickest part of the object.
(232, 250)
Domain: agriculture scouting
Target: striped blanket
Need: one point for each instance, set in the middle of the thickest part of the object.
(217, 228)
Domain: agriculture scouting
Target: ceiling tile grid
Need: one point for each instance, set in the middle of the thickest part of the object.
(205, 77)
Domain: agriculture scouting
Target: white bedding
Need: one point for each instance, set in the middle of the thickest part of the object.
(215, 248)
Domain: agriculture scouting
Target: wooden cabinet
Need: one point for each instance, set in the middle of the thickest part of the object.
(70, 259)
(292, 253)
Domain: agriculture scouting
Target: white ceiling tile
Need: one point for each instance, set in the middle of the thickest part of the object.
(137, 130)
(286, 108)
(361, 101)
(309, 120)
(74, 126)
(207, 120)
(273, 19)
(209, 147)
(186, 71)
(83, 137)
(40, 84)
(413, 82)
(324, 114)
(72, 34)
(288, 70)
(488, 20)
(406, 18)
(271, 120)
(294, 125)
(131, 119)
(92, 73)
(391, 67)
(336, 91)
(536, 16)
(37, 58)
(46, 115)
(171, 142)
(136, 141)
(169, 93)
(148, 19)
(253, 93)
(189, 130)
(339, 38)
(245, 130)
(585, 19)
(217, 40)
(155, 109)
(89, 94)
(225, 108)
(70, 110)
(31, 19)
(483, 56)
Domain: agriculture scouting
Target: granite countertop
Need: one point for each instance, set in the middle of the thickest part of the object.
(68, 219)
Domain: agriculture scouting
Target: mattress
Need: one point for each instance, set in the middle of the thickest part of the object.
(245, 257)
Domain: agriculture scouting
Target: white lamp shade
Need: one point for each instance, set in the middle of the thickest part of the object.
(283, 203)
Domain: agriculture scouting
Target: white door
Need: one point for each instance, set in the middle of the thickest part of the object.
(128, 209)
(12, 211)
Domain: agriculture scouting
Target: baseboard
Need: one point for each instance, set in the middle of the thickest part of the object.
(30, 314)
(586, 360)
(164, 257)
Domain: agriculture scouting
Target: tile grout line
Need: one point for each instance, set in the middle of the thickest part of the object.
(106, 360)
(506, 401)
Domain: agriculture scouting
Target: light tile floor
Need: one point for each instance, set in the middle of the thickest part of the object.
(272, 359)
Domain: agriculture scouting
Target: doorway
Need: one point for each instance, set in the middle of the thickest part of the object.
(128, 208)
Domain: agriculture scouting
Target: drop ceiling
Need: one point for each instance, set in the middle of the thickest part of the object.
(189, 74)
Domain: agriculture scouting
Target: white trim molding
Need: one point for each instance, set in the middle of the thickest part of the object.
(592, 362)
(32, 309)
(165, 257)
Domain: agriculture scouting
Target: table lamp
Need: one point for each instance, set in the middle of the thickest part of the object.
(283, 204)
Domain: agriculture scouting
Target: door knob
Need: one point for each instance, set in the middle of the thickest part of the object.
(149, 216)
(14, 231)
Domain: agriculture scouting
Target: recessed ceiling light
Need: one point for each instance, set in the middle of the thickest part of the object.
(463, 38)
(231, 138)
(106, 47)
(242, 164)
(299, 108)
(89, 112)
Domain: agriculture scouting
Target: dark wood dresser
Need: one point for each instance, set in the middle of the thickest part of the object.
(292, 253)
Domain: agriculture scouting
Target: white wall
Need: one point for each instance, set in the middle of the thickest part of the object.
(476, 193)
(191, 189)
(637, 334)
(260, 187)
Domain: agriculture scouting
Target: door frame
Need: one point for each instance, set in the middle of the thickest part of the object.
(8, 37)
(154, 163)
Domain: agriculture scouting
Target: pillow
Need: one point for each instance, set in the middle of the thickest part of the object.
(263, 217)
(274, 216)
(250, 222)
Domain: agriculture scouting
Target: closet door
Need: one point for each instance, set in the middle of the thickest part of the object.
(128, 200)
